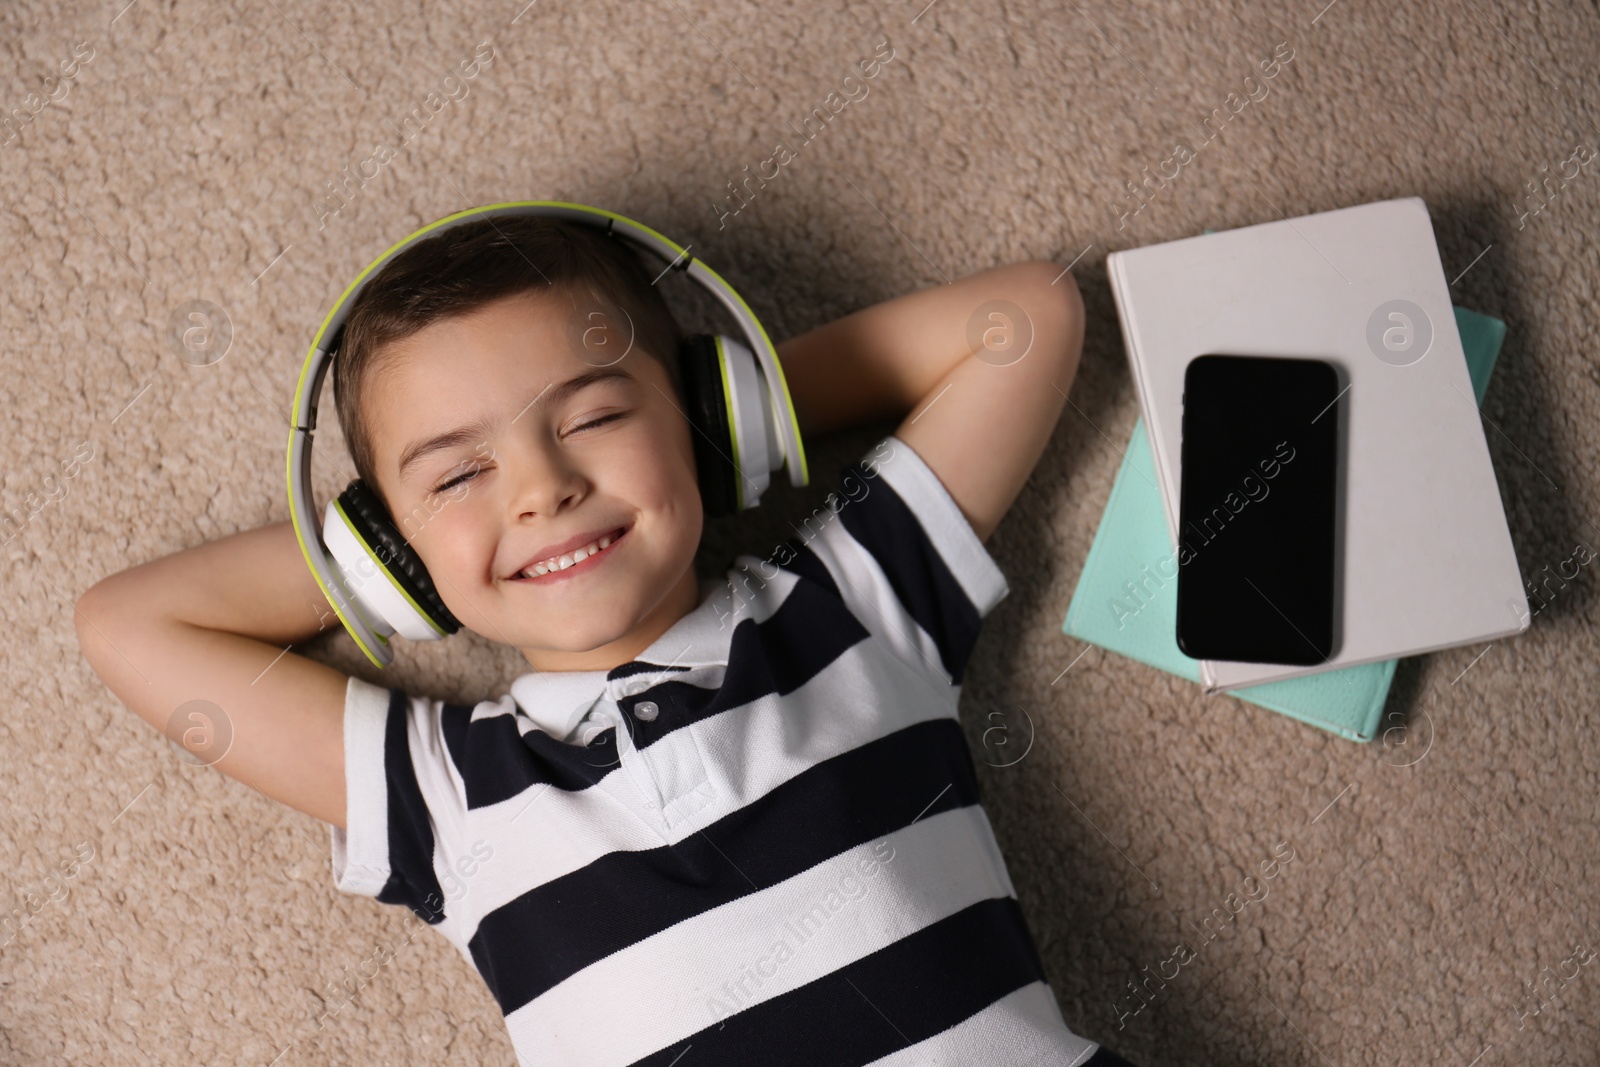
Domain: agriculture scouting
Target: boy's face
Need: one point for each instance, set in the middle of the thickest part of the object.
(532, 470)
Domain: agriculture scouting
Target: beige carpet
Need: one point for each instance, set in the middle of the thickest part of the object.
(191, 156)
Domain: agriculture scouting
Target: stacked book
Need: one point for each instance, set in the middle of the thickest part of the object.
(1428, 562)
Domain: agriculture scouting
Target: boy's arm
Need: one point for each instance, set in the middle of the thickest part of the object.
(212, 623)
(979, 422)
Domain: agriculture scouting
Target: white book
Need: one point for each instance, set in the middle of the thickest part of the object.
(1426, 560)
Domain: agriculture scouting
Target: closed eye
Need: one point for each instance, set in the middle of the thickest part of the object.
(457, 480)
(600, 421)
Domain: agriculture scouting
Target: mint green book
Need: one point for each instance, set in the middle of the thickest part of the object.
(1126, 599)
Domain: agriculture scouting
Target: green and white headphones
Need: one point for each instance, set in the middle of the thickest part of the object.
(739, 409)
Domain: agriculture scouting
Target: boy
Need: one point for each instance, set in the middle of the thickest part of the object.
(721, 822)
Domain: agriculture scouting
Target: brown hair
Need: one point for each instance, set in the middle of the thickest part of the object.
(472, 264)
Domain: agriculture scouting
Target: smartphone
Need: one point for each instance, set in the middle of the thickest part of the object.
(1258, 501)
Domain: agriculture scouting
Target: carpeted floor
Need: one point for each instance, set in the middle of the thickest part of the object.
(194, 153)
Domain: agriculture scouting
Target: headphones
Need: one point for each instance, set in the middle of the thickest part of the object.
(739, 409)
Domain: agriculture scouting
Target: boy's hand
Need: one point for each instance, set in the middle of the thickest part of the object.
(987, 361)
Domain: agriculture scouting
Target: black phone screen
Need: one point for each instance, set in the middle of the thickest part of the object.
(1257, 493)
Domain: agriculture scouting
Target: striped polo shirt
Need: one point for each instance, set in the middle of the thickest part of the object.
(761, 841)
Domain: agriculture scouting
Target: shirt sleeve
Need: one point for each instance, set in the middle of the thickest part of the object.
(904, 559)
(402, 794)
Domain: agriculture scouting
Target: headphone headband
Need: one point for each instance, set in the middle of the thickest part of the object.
(325, 346)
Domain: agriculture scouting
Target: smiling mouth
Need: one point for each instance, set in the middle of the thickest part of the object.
(570, 564)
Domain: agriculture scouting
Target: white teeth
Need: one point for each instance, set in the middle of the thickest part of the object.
(562, 562)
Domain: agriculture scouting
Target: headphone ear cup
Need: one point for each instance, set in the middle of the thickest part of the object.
(706, 396)
(370, 520)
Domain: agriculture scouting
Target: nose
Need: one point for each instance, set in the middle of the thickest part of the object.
(542, 478)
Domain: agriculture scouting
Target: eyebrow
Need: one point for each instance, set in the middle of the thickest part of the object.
(480, 428)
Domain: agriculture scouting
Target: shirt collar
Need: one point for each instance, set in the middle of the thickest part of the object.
(556, 701)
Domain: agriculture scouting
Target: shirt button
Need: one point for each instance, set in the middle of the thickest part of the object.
(645, 710)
